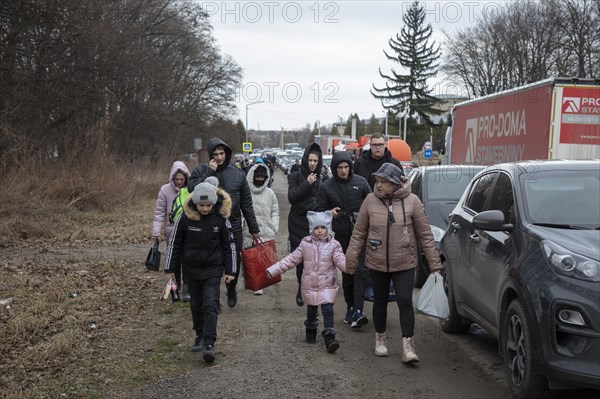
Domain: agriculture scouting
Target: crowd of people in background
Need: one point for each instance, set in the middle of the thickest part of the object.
(360, 218)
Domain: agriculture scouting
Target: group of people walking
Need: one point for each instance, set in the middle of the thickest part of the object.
(363, 220)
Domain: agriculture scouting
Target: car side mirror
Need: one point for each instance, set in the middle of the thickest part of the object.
(492, 221)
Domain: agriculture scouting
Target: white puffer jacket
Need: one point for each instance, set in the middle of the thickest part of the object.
(266, 209)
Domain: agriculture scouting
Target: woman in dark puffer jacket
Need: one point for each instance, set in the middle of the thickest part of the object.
(303, 187)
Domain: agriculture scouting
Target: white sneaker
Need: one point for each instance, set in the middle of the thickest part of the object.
(408, 351)
(259, 292)
(380, 344)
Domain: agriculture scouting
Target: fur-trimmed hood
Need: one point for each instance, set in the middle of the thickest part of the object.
(223, 206)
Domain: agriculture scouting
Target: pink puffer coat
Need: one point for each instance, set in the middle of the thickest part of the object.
(319, 279)
(164, 201)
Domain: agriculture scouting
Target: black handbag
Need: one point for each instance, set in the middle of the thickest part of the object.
(153, 258)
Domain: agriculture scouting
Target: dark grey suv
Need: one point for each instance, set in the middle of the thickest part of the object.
(439, 188)
(522, 259)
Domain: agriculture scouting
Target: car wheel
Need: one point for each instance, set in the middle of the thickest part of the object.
(520, 360)
(455, 323)
(420, 273)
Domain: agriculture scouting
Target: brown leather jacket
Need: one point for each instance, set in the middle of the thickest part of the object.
(391, 238)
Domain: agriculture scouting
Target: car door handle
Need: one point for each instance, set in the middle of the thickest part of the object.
(475, 238)
(455, 225)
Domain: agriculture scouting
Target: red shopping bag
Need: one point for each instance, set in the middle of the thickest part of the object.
(257, 259)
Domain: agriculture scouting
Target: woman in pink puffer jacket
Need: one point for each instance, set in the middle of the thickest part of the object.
(321, 254)
(178, 178)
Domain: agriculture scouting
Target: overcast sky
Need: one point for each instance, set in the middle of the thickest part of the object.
(317, 60)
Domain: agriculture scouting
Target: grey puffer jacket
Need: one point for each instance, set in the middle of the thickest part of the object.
(390, 227)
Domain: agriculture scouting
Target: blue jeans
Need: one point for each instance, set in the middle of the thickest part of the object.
(204, 304)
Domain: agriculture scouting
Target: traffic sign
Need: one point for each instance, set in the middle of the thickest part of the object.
(427, 154)
(247, 147)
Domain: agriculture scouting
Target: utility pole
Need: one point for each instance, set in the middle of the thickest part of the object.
(406, 112)
(386, 124)
(247, 105)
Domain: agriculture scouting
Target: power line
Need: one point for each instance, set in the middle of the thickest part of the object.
(312, 113)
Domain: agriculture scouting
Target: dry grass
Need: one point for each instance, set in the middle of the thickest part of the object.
(68, 202)
(90, 237)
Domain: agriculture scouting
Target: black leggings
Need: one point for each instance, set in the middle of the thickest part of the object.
(403, 283)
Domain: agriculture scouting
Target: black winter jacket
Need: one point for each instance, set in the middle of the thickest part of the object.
(365, 166)
(203, 244)
(347, 194)
(302, 196)
(233, 181)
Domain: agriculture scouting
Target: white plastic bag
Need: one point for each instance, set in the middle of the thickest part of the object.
(432, 298)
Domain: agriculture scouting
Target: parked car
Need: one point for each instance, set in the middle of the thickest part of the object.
(292, 160)
(522, 260)
(439, 188)
(282, 161)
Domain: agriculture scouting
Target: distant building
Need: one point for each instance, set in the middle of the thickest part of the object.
(338, 128)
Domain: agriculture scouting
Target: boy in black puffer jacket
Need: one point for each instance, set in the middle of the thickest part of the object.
(203, 240)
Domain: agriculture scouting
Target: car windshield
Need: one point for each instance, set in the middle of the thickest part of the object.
(564, 198)
(447, 183)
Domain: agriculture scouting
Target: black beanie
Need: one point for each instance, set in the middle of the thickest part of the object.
(261, 171)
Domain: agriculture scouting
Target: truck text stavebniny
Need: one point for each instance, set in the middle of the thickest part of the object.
(549, 119)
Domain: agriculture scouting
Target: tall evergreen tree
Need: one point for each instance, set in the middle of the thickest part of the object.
(413, 51)
(373, 126)
(348, 127)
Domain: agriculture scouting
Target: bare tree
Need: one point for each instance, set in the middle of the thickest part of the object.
(120, 77)
(580, 38)
(523, 42)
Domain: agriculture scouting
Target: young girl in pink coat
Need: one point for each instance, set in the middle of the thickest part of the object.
(321, 254)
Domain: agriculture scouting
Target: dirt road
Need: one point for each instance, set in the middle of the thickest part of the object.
(261, 353)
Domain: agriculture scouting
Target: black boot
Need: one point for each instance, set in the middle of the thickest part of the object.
(299, 300)
(330, 343)
(231, 296)
(311, 335)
